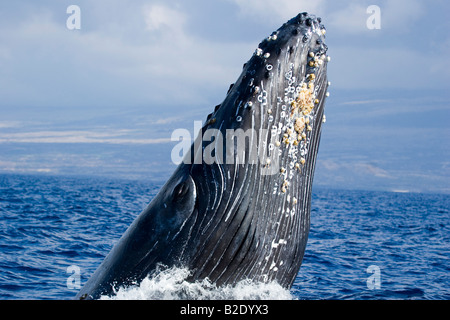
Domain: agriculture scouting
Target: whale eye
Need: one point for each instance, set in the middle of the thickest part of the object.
(180, 191)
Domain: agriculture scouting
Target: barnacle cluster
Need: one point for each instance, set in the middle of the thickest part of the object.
(302, 98)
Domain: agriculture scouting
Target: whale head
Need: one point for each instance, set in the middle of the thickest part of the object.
(238, 206)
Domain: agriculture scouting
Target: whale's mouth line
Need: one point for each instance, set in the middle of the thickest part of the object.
(238, 206)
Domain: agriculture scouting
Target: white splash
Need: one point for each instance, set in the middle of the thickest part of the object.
(171, 284)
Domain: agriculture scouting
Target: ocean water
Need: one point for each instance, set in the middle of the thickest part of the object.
(55, 231)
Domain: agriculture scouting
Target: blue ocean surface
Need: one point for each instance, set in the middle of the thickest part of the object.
(56, 230)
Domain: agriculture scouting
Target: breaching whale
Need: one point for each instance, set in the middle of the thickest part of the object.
(238, 206)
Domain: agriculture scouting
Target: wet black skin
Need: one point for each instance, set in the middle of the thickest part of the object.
(151, 238)
(229, 222)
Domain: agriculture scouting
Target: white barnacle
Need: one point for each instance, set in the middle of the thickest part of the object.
(258, 51)
(288, 75)
(266, 55)
(276, 244)
(274, 130)
(303, 152)
(291, 174)
(291, 164)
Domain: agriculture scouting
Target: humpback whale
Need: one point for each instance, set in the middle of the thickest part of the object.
(238, 205)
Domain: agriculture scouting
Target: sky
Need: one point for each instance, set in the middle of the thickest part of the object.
(103, 99)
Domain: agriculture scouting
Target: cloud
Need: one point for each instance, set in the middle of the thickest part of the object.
(279, 10)
(382, 67)
(363, 102)
(10, 124)
(152, 53)
(350, 17)
(168, 120)
(369, 169)
(158, 16)
(77, 136)
(152, 59)
(358, 167)
(348, 20)
(44, 64)
(399, 15)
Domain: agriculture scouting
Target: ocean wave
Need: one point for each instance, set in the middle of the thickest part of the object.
(172, 284)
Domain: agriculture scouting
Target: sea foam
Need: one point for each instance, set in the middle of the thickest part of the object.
(171, 284)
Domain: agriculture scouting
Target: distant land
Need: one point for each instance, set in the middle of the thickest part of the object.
(371, 140)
